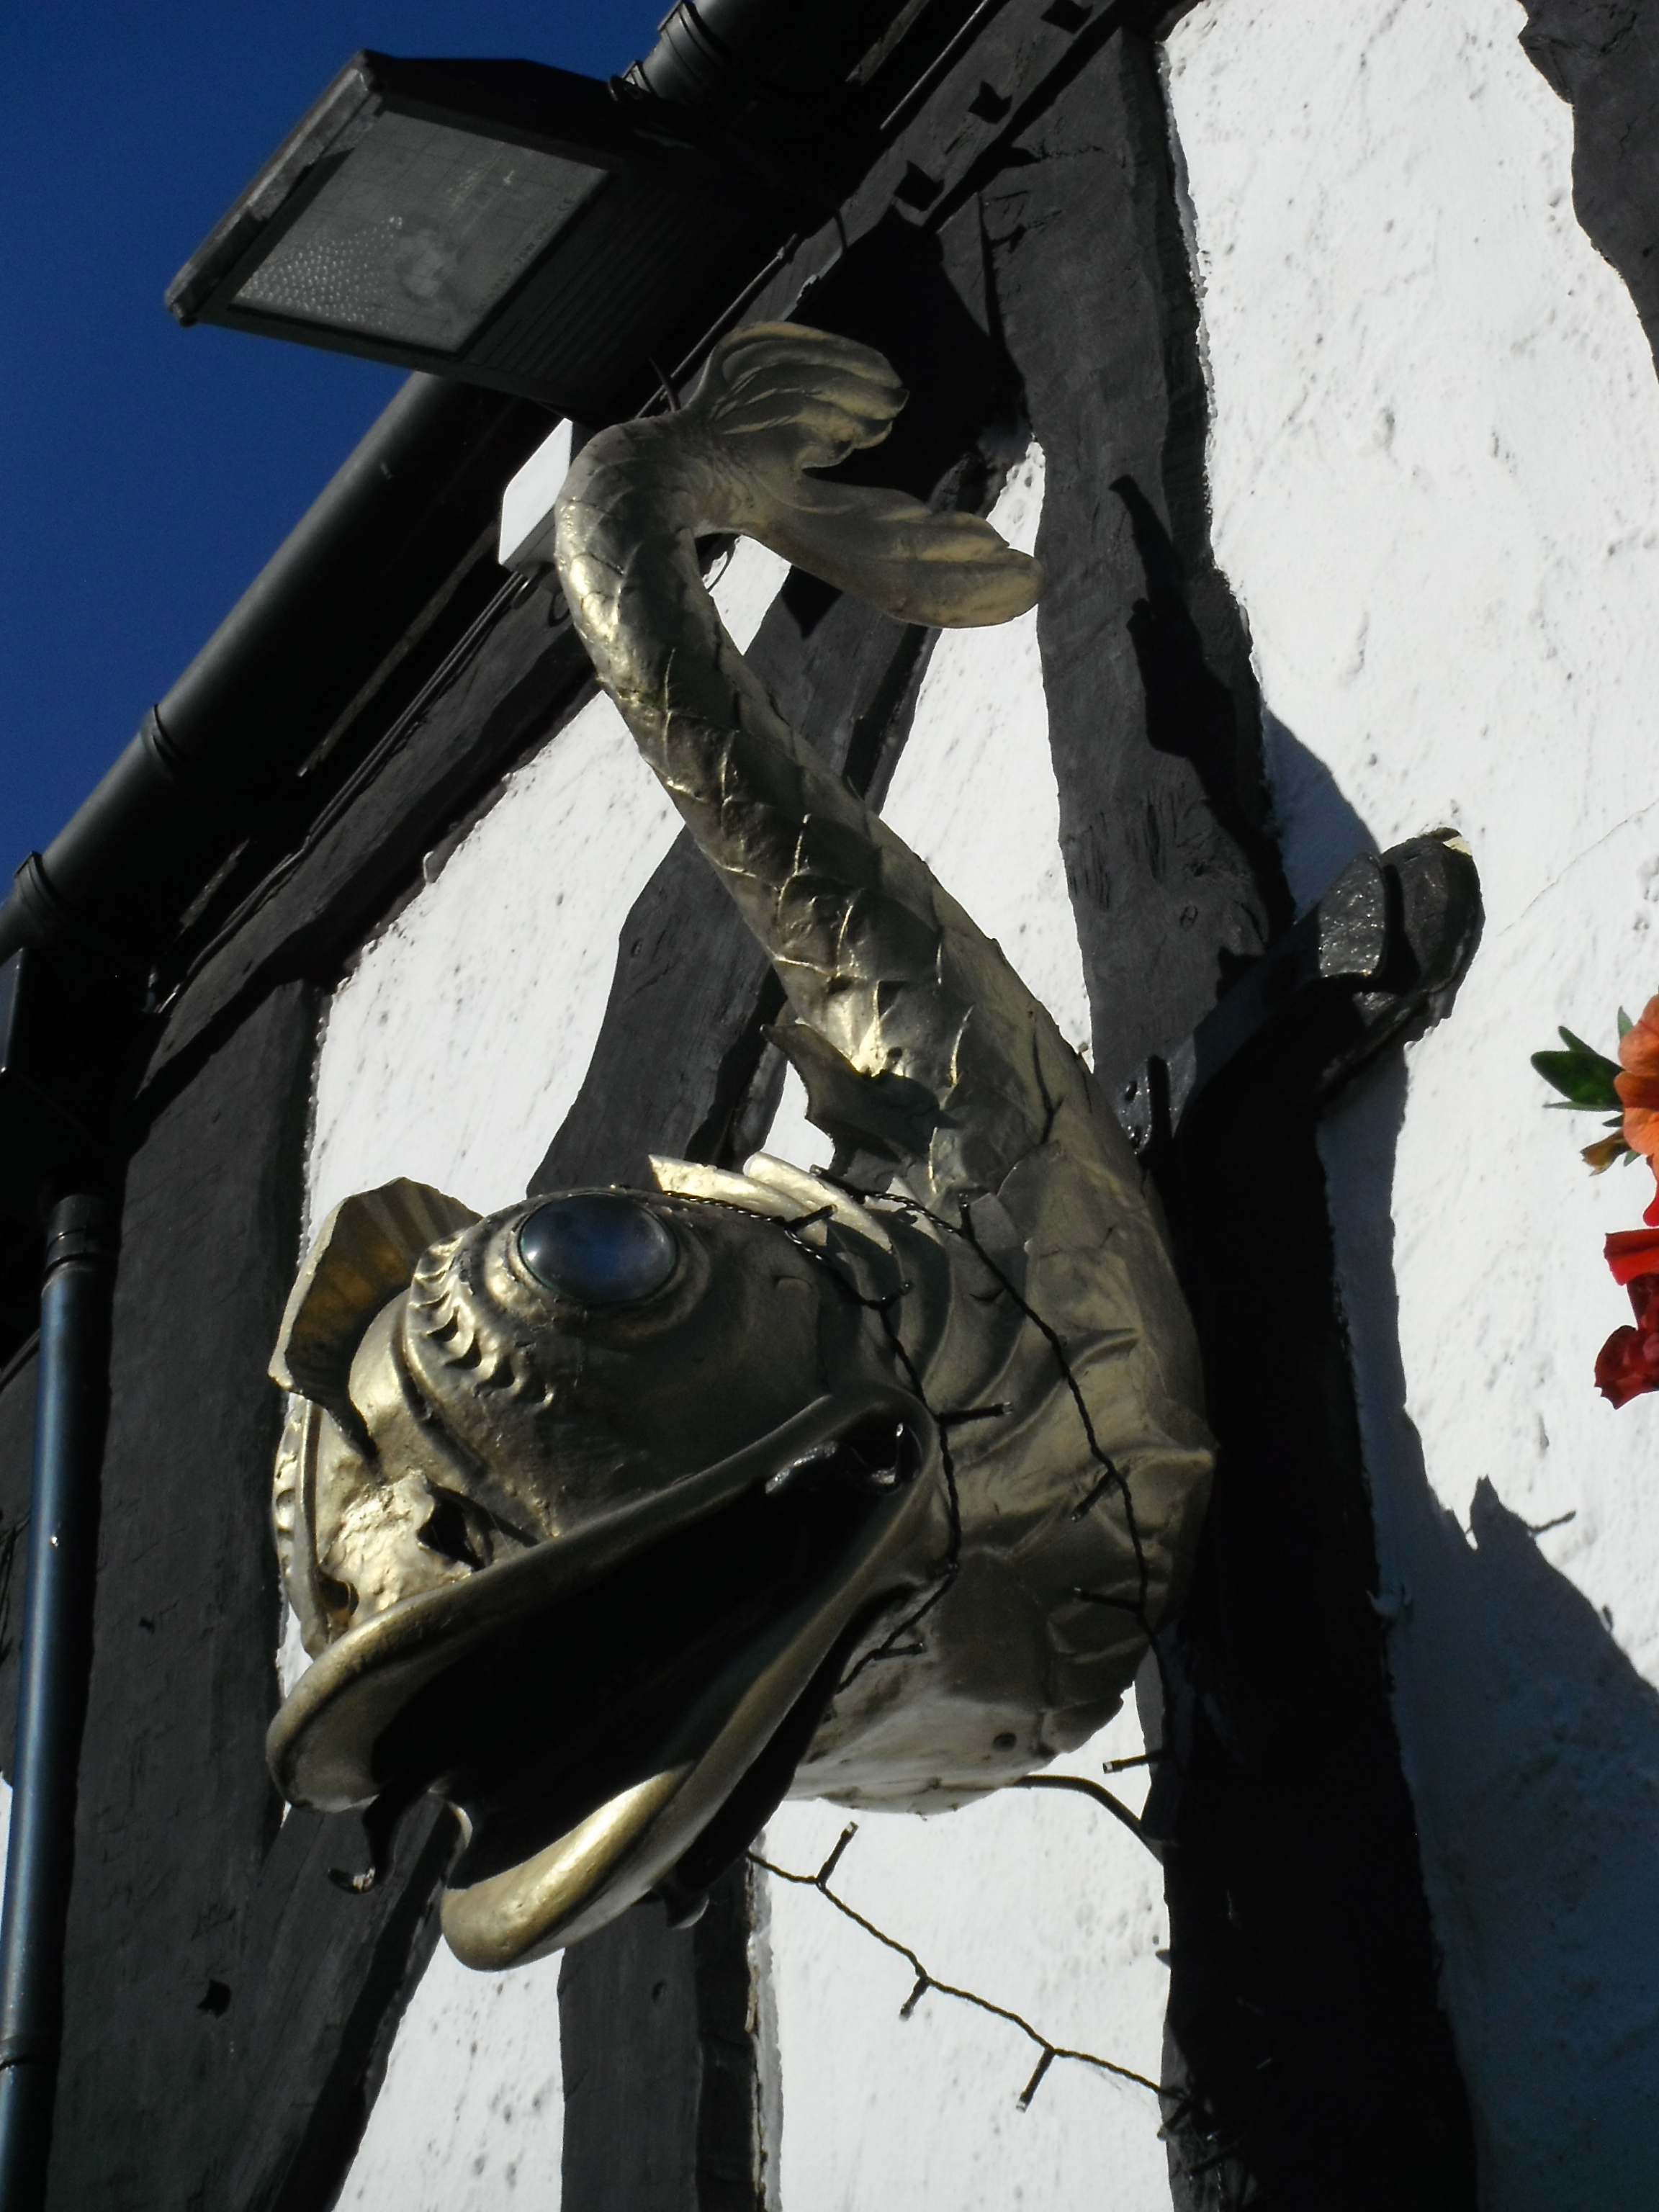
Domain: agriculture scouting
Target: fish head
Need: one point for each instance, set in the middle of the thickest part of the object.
(583, 1520)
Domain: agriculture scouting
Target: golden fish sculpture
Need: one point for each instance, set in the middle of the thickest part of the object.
(616, 1516)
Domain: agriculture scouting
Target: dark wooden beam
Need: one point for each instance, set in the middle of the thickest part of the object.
(1314, 2064)
(1605, 61)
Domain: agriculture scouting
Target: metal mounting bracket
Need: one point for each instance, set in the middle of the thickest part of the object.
(1379, 958)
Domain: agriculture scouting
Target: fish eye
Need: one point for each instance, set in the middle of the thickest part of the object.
(600, 1248)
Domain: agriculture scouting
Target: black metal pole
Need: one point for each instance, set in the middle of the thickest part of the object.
(72, 1394)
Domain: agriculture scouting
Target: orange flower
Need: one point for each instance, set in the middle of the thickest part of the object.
(1638, 1086)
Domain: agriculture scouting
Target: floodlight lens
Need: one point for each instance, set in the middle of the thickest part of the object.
(419, 232)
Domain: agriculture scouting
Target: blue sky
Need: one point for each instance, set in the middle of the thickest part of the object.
(146, 473)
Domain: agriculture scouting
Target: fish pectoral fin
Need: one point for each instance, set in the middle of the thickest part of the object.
(363, 1255)
(694, 1179)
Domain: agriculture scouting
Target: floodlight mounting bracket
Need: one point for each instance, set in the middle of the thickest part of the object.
(684, 209)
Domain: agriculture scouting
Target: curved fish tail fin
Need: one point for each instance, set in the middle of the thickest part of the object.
(920, 1044)
(778, 400)
(919, 567)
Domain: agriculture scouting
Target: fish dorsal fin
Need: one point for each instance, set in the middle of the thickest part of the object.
(364, 1254)
(811, 1194)
(692, 1179)
(773, 1188)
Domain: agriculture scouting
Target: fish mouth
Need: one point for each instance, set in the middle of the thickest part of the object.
(615, 1713)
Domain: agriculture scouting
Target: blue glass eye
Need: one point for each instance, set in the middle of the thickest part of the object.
(598, 1247)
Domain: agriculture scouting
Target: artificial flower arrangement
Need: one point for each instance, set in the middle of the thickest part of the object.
(1628, 1089)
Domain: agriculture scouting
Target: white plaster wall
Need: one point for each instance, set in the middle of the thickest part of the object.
(470, 2118)
(452, 1053)
(1435, 468)
(973, 792)
(1039, 1902)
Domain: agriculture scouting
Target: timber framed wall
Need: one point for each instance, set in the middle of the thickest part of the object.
(1023, 252)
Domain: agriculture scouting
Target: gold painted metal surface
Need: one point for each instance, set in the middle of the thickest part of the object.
(880, 1491)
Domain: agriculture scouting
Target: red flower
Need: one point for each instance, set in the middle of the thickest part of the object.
(1628, 1363)
(1638, 1086)
(1632, 1253)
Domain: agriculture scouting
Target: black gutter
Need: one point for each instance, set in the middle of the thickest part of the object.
(69, 1445)
(398, 518)
(299, 645)
(779, 77)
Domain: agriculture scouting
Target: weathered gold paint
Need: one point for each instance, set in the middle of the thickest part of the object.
(473, 1458)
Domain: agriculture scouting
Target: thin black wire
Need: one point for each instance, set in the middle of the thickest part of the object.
(665, 383)
(1083, 1788)
(911, 99)
(889, 1647)
(926, 1980)
(1112, 1476)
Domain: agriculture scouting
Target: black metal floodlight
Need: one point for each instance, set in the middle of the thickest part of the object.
(502, 221)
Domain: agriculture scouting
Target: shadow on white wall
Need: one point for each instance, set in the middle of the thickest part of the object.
(1531, 1746)
(1530, 1740)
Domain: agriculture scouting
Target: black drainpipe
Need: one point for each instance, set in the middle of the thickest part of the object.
(68, 1442)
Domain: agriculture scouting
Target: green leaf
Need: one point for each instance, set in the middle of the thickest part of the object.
(1579, 1045)
(1584, 1075)
(1626, 1024)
